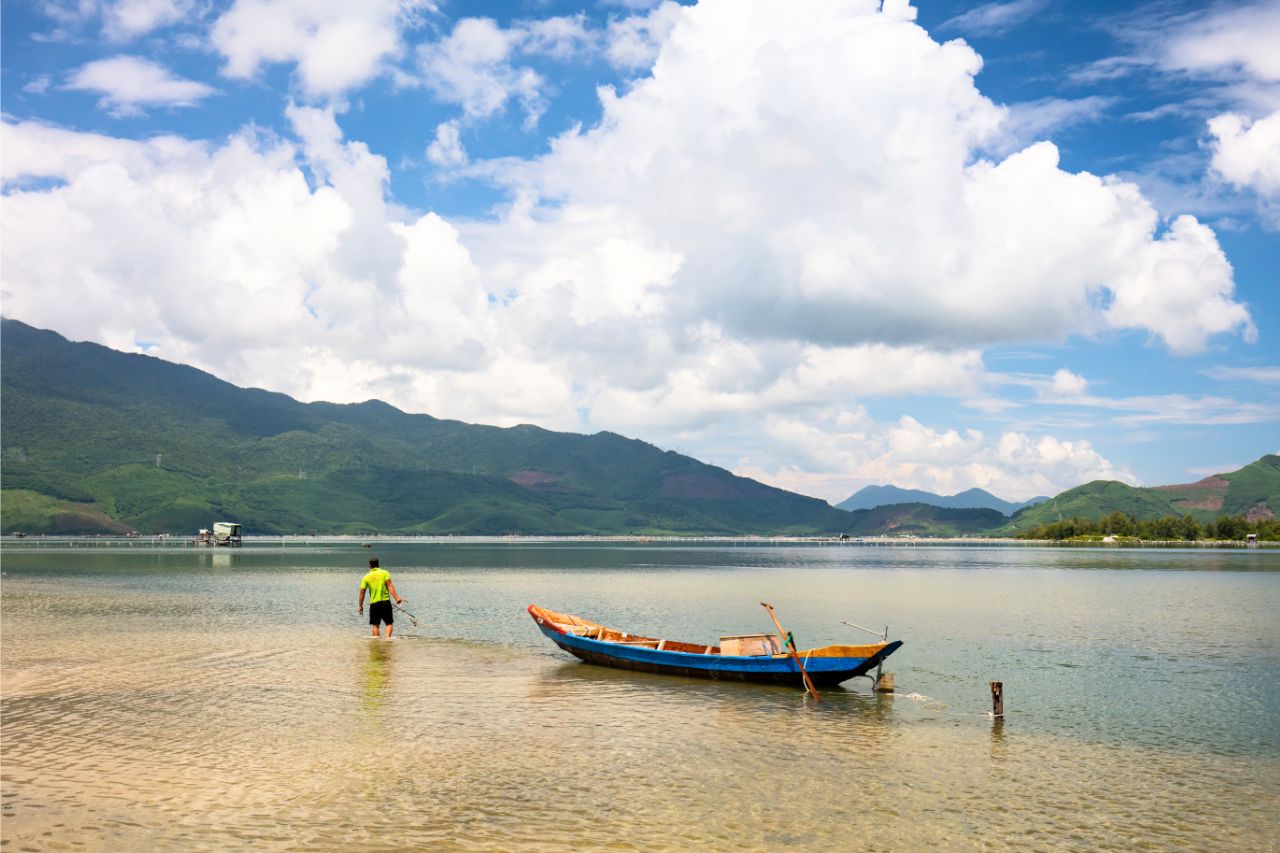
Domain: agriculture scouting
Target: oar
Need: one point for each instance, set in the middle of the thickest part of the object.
(407, 613)
(791, 647)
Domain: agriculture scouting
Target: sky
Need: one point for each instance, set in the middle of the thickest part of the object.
(822, 243)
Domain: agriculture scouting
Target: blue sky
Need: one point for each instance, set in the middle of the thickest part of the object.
(1009, 245)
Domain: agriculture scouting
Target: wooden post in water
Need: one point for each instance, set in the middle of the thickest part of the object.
(997, 700)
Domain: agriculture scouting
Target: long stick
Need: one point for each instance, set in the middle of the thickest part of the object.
(407, 613)
(792, 648)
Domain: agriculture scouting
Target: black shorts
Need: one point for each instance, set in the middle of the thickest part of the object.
(380, 611)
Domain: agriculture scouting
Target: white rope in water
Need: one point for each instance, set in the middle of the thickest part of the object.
(942, 707)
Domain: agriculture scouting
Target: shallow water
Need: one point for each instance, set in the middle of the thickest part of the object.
(187, 699)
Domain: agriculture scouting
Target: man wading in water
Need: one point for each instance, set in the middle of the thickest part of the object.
(381, 591)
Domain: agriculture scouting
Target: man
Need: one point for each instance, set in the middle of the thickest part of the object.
(381, 591)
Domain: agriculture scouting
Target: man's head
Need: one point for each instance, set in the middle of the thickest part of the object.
(373, 563)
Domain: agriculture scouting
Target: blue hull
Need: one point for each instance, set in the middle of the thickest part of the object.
(824, 671)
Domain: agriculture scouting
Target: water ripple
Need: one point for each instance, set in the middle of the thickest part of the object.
(154, 711)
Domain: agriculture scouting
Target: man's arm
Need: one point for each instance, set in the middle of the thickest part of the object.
(360, 601)
(392, 588)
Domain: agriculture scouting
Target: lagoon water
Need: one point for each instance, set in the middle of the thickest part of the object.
(178, 699)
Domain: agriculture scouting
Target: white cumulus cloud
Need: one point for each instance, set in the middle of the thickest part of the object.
(844, 452)
(128, 19)
(815, 174)
(473, 67)
(790, 214)
(1247, 154)
(446, 149)
(129, 83)
(632, 42)
(335, 46)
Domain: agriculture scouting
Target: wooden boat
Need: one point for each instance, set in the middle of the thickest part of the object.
(748, 657)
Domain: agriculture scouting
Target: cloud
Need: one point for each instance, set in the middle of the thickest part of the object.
(995, 19)
(38, 85)
(1109, 68)
(121, 20)
(790, 215)
(69, 12)
(796, 167)
(1226, 50)
(39, 151)
(1068, 384)
(335, 293)
(472, 67)
(482, 66)
(1268, 375)
(1195, 411)
(1065, 388)
(722, 380)
(1238, 39)
(1030, 121)
(336, 46)
(1234, 45)
(129, 83)
(1180, 288)
(128, 19)
(1247, 154)
(478, 65)
(446, 149)
(561, 38)
(632, 43)
(835, 456)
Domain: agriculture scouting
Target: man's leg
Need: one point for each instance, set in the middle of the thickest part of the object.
(374, 627)
(390, 627)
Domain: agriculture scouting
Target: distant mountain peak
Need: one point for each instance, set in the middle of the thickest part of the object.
(870, 497)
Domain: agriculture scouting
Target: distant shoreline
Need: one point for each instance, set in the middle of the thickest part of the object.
(43, 542)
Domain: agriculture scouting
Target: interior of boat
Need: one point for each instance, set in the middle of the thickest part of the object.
(744, 644)
(583, 628)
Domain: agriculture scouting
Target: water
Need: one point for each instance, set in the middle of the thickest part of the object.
(180, 699)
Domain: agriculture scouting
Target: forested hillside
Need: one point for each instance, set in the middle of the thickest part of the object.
(97, 440)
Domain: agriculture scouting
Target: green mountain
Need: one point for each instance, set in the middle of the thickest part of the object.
(99, 440)
(96, 440)
(1252, 492)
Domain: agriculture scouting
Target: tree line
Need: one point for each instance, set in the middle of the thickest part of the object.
(1171, 527)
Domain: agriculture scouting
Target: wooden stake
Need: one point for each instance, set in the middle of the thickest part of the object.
(997, 700)
(808, 685)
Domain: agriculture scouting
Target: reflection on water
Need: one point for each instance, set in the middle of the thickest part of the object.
(377, 672)
(169, 703)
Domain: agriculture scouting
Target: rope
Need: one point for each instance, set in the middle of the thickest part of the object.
(917, 697)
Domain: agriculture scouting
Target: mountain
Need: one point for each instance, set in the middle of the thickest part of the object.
(870, 497)
(98, 440)
(921, 519)
(1252, 492)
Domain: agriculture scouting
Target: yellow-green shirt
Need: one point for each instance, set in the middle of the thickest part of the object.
(376, 583)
